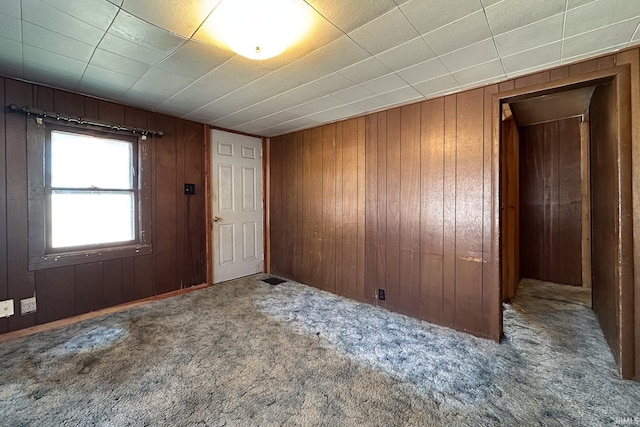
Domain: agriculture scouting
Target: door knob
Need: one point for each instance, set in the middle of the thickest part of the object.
(216, 219)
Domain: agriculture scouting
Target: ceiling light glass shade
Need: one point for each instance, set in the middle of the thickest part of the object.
(261, 29)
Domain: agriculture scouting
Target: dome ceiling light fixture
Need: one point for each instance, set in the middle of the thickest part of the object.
(260, 29)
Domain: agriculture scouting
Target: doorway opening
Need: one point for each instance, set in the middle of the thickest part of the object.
(565, 196)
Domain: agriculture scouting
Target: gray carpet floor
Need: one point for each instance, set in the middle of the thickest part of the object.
(244, 353)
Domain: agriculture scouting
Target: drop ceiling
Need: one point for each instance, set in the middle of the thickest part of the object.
(361, 55)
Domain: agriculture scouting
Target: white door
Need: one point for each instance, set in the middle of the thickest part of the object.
(236, 175)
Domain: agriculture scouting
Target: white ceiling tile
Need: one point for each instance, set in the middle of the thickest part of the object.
(144, 92)
(509, 15)
(97, 13)
(463, 32)
(329, 84)
(195, 96)
(487, 71)
(594, 53)
(179, 17)
(526, 71)
(364, 71)
(577, 3)
(599, 14)
(352, 14)
(437, 85)
(537, 34)
(402, 96)
(385, 84)
(11, 58)
(469, 56)
(223, 81)
(487, 3)
(601, 38)
(374, 103)
(406, 54)
(172, 82)
(385, 32)
(244, 69)
(105, 83)
(636, 35)
(11, 8)
(352, 94)
(111, 61)
(334, 114)
(304, 70)
(10, 27)
(318, 104)
(109, 78)
(426, 70)
(194, 59)
(39, 57)
(533, 57)
(427, 16)
(128, 49)
(46, 16)
(57, 43)
(62, 79)
(339, 53)
(139, 32)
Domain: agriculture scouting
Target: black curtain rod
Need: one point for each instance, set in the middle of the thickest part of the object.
(82, 121)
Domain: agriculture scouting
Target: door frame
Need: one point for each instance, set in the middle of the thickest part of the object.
(621, 77)
(208, 202)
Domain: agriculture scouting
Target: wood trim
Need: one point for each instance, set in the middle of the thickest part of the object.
(632, 59)
(253, 135)
(585, 183)
(266, 189)
(207, 204)
(21, 333)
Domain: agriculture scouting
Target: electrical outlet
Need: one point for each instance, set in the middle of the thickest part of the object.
(381, 294)
(28, 305)
(189, 189)
(6, 308)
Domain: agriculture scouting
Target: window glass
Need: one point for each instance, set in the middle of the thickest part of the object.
(82, 161)
(92, 196)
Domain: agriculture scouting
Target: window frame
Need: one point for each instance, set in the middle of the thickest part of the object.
(41, 254)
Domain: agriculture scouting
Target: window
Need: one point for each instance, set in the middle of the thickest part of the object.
(91, 192)
(90, 196)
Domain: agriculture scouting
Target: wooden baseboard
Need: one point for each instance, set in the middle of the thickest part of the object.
(91, 315)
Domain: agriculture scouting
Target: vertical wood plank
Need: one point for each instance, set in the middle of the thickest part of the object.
(361, 211)
(21, 282)
(4, 287)
(329, 208)
(339, 216)
(410, 210)
(432, 210)
(316, 209)
(469, 204)
(183, 204)
(371, 205)
(381, 231)
(165, 208)
(393, 210)
(307, 229)
(89, 287)
(350, 207)
(113, 283)
(195, 263)
(297, 232)
(56, 294)
(449, 227)
(128, 279)
(276, 204)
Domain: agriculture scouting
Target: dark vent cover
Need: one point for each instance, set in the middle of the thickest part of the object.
(273, 281)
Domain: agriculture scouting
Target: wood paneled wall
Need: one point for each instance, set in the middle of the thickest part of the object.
(551, 202)
(430, 178)
(398, 200)
(178, 230)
